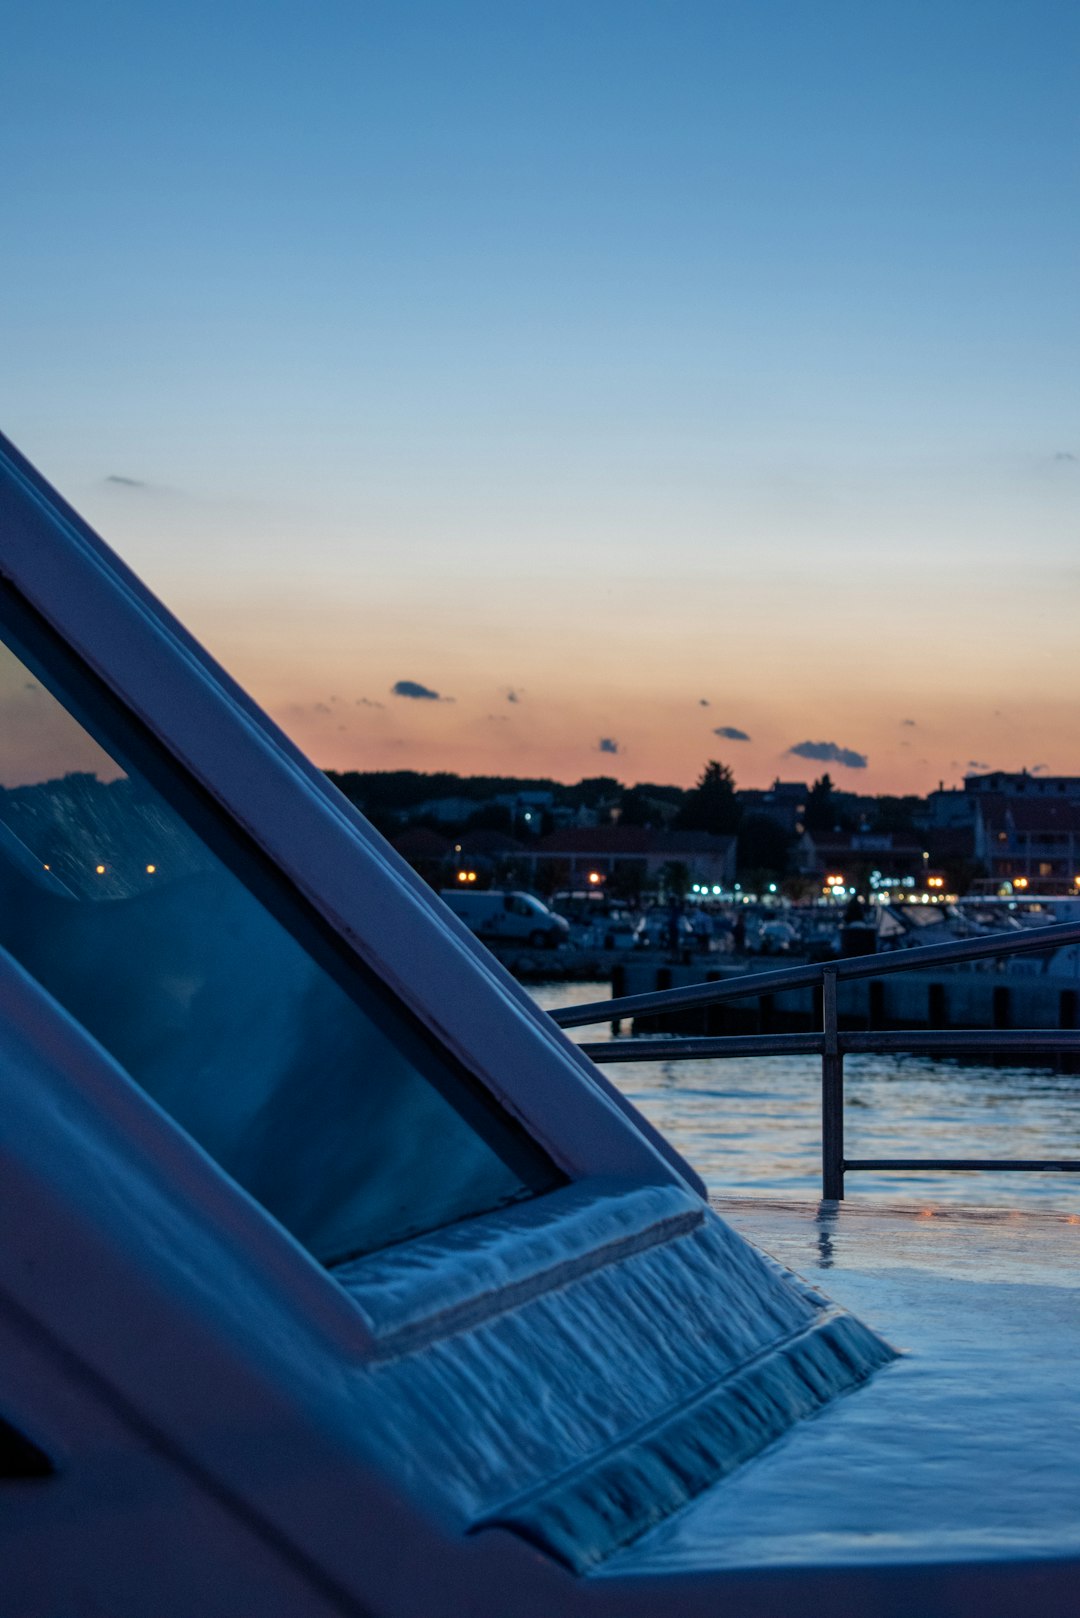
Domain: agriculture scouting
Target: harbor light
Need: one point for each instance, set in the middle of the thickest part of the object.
(1020, 881)
(595, 878)
(151, 869)
(100, 869)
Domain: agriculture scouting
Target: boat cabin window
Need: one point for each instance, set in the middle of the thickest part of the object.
(294, 1068)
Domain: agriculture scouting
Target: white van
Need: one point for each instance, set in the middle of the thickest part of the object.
(495, 916)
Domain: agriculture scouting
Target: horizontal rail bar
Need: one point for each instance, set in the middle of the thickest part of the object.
(685, 1050)
(941, 1041)
(736, 987)
(1018, 1165)
(747, 984)
(992, 1041)
(964, 949)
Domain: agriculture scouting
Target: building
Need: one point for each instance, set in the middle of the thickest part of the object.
(784, 802)
(1029, 841)
(1024, 784)
(454, 811)
(871, 859)
(631, 856)
(948, 809)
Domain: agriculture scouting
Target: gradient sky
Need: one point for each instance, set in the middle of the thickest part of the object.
(617, 371)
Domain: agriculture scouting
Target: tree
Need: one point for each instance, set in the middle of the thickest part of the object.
(491, 817)
(764, 849)
(634, 809)
(648, 805)
(674, 879)
(897, 814)
(823, 813)
(712, 805)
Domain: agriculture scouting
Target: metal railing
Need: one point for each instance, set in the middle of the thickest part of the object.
(832, 1045)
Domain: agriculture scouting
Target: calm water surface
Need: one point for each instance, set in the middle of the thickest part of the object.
(752, 1125)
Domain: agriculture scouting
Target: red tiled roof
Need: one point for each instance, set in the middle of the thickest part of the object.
(489, 842)
(631, 840)
(421, 843)
(862, 844)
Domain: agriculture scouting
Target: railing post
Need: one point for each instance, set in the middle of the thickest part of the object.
(832, 1094)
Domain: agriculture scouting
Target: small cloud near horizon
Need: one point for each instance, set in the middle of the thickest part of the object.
(1065, 455)
(977, 764)
(607, 744)
(366, 702)
(125, 482)
(907, 721)
(731, 733)
(416, 692)
(830, 753)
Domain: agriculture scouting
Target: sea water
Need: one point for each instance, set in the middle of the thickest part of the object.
(752, 1126)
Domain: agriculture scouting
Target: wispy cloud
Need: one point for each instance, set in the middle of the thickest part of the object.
(125, 482)
(977, 764)
(607, 744)
(366, 702)
(830, 753)
(417, 692)
(731, 733)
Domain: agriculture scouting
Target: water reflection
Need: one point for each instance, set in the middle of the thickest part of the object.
(752, 1125)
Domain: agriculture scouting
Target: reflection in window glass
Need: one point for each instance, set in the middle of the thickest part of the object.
(331, 1107)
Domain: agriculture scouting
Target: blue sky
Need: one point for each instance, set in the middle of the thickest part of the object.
(626, 356)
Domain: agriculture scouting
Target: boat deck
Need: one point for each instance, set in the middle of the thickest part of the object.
(965, 1450)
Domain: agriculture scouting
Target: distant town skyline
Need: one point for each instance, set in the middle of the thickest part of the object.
(553, 391)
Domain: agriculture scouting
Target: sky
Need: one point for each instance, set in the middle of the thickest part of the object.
(572, 389)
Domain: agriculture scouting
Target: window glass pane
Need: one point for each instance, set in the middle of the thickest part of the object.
(327, 1102)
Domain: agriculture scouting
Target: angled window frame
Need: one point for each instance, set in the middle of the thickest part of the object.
(329, 872)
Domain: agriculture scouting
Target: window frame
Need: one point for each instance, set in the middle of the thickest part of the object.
(331, 862)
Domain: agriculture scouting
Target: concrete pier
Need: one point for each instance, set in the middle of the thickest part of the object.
(948, 998)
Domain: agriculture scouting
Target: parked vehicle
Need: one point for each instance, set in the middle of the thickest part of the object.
(596, 922)
(500, 917)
